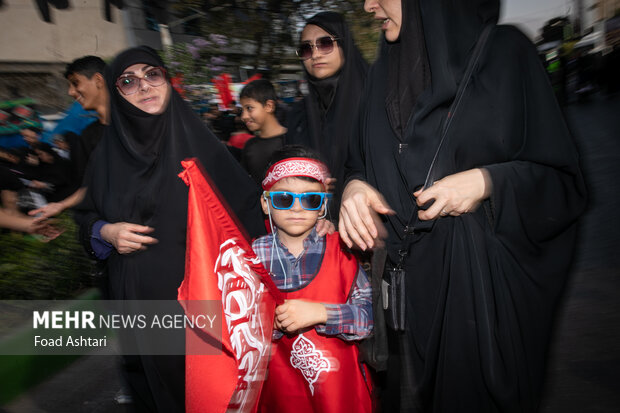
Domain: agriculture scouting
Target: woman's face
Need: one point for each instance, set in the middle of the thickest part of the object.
(321, 66)
(390, 12)
(150, 99)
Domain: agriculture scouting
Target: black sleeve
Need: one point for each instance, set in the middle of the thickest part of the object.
(8, 180)
(355, 162)
(542, 184)
(238, 189)
(85, 214)
(297, 125)
(84, 147)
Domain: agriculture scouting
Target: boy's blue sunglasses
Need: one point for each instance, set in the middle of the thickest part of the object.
(310, 201)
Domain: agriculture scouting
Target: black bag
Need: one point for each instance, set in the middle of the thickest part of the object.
(393, 298)
(374, 349)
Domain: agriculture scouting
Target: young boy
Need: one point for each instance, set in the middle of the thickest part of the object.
(314, 363)
(258, 102)
(87, 86)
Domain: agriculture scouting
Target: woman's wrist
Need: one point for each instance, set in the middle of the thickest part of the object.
(103, 232)
(488, 183)
(102, 229)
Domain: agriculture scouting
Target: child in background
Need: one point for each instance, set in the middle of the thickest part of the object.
(314, 364)
(258, 102)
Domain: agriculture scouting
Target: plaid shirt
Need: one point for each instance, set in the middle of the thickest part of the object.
(350, 321)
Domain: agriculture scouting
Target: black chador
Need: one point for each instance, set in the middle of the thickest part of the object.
(133, 177)
(481, 288)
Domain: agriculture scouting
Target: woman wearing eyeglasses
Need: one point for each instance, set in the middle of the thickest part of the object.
(134, 216)
(464, 151)
(335, 71)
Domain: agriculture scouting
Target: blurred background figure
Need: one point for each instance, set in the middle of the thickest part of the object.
(87, 87)
(259, 105)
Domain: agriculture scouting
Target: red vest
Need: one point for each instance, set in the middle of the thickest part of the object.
(310, 372)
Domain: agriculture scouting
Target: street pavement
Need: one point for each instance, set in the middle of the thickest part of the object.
(584, 358)
(584, 363)
(86, 386)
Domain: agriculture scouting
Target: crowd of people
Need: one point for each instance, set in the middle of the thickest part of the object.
(449, 168)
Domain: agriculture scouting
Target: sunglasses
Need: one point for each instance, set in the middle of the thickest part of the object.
(310, 201)
(325, 45)
(129, 84)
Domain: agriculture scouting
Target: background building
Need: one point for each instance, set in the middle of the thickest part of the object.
(33, 53)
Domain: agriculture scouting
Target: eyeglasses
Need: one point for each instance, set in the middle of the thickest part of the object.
(129, 84)
(310, 201)
(325, 45)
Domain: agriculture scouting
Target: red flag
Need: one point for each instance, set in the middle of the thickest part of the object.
(177, 83)
(222, 84)
(253, 78)
(221, 265)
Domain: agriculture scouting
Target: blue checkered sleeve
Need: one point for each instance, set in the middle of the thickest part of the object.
(352, 320)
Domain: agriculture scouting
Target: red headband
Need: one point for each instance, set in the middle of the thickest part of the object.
(291, 167)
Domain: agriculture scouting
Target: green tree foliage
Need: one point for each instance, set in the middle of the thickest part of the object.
(34, 270)
(199, 61)
(263, 33)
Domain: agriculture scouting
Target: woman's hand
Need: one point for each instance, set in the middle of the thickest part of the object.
(455, 194)
(295, 315)
(359, 220)
(126, 237)
(330, 184)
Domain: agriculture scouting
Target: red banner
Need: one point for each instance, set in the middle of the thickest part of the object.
(222, 84)
(220, 265)
(177, 83)
(253, 78)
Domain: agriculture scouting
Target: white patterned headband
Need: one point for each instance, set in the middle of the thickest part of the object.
(291, 167)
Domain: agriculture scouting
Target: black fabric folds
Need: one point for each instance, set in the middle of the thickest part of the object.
(482, 287)
(324, 119)
(404, 86)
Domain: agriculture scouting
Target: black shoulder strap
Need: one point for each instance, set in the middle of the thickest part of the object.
(413, 224)
(473, 61)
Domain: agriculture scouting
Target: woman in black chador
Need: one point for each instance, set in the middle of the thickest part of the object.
(335, 71)
(134, 215)
(487, 260)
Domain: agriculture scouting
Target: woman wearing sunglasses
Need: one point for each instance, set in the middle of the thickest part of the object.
(461, 135)
(335, 71)
(134, 215)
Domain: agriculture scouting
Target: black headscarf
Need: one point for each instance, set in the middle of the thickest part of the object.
(450, 30)
(404, 86)
(482, 287)
(436, 38)
(323, 120)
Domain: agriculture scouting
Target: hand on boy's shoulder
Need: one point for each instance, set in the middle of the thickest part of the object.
(296, 315)
(324, 227)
